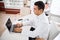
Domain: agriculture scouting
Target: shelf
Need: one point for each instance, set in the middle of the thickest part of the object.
(12, 11)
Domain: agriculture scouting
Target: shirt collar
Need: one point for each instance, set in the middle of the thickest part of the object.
(40, 16)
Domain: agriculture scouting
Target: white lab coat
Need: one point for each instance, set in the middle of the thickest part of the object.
(40, 23)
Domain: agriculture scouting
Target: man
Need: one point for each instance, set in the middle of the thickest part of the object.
(37, 20)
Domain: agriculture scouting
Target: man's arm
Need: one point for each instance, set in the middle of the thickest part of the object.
(25, 22)
(41, 32)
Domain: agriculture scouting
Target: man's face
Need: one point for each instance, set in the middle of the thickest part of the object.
(36, 10)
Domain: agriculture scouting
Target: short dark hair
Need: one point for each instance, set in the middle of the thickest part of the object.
(40, 5)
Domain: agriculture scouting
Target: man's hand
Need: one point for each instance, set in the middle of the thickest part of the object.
(18, 30)
(39, 39)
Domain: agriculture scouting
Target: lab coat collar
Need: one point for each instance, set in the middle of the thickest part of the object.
(40, 16)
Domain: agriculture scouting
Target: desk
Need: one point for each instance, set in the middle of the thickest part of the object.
(15, 36)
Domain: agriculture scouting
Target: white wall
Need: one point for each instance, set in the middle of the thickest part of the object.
(55, 7)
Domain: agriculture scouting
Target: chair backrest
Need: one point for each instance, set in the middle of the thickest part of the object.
(53, 31)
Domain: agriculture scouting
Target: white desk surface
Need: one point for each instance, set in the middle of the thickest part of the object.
(14, 36)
